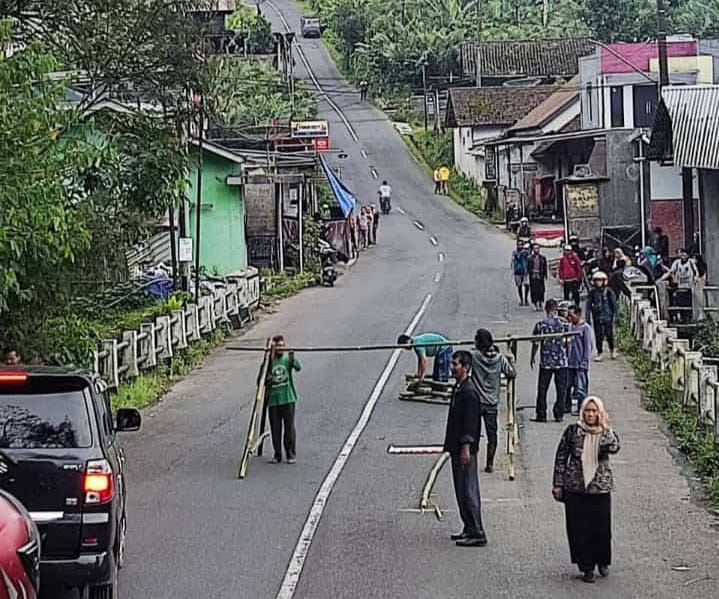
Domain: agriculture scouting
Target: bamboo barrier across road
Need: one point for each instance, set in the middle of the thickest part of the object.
(462, 342)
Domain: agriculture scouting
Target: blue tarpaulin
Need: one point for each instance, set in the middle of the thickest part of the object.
(345, 198)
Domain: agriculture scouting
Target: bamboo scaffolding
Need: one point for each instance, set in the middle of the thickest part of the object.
(250, 444)
(458, 343)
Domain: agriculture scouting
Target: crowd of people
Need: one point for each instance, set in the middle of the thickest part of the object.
(603, 276)
(366, 223)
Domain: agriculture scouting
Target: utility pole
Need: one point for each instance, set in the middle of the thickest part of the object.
(662, 45)
(424, 92)
(199, 101)
(478, 55)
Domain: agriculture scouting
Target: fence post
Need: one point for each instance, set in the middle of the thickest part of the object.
(192, 322)
(109, 372)
(148, 346)
(706, 406)
(129, 354)
(692, 374)
(677, 363)
(164, 338)
(179, 334)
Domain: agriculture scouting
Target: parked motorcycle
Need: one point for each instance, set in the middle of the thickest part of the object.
(328, 259)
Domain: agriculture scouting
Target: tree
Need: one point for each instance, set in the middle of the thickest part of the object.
(41, 226)
(256, 31)
(244, 93)
(154, 47)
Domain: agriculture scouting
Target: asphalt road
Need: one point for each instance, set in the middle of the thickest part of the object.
(196, 531)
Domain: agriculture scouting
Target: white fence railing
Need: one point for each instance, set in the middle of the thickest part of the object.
(695, 383)
(228, 303)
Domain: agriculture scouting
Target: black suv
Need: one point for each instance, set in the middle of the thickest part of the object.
(59, 455)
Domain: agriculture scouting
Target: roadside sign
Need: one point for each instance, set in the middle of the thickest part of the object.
(316, 132)
(185, 247)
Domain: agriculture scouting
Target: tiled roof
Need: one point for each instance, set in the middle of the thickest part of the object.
(493, 106)
(527, 58)
(552, 106)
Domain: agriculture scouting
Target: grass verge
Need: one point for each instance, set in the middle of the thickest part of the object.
(695, 440)
(147, 389)
(281, 285)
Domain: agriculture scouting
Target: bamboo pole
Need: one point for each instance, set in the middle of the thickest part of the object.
(256, 408)
(432, 479)
(353, 348)
(512, 436)
(415, 449)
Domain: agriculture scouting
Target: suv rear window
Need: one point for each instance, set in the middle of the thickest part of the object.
(51, 420)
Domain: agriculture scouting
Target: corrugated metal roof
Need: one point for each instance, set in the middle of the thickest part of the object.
(694, 112)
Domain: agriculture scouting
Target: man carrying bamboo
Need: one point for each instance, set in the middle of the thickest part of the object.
(461, 441)
(488, 366)
(281, 400)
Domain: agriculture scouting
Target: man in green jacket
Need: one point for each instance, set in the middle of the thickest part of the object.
(281, 400)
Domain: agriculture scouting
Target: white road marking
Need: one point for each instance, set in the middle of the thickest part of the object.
(400, 210)
(440, 256)
(438, 277)
(433, 240)
(316, 83)
(419, 225)
(374, 173)
(364, 153)
(297, 562)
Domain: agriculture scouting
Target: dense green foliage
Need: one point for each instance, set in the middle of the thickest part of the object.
(386, 42)
(692, 438)
(241, 92)
(256, 31)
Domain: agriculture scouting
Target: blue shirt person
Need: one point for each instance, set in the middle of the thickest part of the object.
(437, 347)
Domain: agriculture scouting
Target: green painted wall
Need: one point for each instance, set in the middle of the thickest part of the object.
(223, 246)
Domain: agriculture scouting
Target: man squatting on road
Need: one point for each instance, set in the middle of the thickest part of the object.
(461, 441)
(281, 400)
(441, 351)
(488, 364)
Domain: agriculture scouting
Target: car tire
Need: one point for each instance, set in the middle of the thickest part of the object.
(105, 591)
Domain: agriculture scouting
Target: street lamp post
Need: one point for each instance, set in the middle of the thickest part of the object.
(198, 101)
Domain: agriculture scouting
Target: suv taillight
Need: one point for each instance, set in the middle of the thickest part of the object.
(99, 482)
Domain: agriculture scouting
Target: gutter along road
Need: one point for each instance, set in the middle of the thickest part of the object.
(335, 525)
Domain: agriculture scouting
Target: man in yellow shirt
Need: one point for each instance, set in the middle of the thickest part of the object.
(444, 178)
(437, 181)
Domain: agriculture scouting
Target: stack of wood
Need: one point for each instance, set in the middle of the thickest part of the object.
(427, 390)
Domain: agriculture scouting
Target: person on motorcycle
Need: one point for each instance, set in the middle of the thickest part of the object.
(524, 231)
(385, 197)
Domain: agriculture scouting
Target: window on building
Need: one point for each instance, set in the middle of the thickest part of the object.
(645, 105)
(616, 103)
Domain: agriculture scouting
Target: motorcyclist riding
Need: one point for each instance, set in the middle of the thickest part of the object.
(385, 197)
(524, 232)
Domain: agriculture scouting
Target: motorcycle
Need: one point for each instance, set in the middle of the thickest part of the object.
(328, 259)
(385, 205)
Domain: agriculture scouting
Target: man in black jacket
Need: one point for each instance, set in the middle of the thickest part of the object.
(462, 442)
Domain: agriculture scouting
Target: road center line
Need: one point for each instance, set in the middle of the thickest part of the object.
(374, 173)
(400, 210)
(440, 256)
(419, 225)
(438, 277)
(316, 83)
(433, 240)
(364, 153)
(297, 562)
